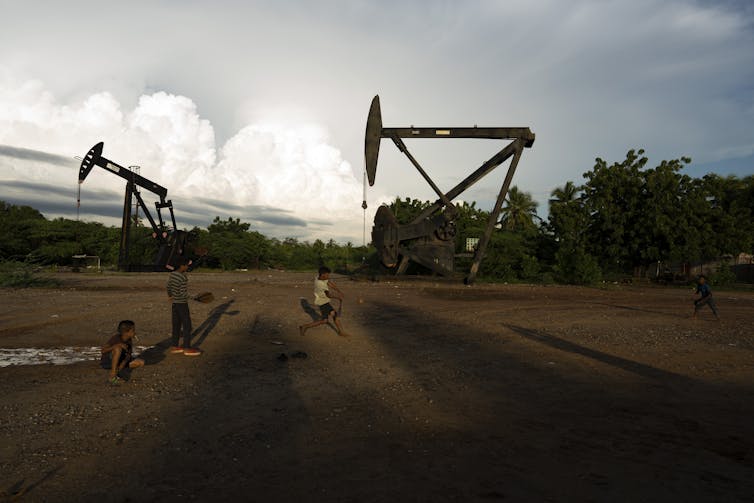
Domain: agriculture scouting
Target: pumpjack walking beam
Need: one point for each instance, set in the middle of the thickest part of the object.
(133, 181)
(388, 236)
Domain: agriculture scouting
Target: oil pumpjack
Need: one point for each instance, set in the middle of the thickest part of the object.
(171, 242)
(429, 239)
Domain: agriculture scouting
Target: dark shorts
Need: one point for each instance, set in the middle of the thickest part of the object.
(107, 360)
(326, 309)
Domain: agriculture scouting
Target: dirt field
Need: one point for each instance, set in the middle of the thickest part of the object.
(442, 393)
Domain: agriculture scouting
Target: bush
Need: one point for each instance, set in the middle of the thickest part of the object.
(724, 275)
(22, 275)
(530, 270)
(576, 266)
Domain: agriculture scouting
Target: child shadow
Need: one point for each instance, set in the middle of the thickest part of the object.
(158, 352)
(154, 354)
(212, 320)
(314, 313)
(125, 374)
(309, 309)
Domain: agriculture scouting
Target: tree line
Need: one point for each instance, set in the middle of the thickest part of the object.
(27, 236)
(622, 216)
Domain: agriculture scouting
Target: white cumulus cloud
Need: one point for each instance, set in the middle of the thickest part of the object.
(294, 169)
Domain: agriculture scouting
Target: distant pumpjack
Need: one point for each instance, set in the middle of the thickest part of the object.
(429, 239)
(171, 243)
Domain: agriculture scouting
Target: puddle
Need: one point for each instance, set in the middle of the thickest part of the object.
(52, 356)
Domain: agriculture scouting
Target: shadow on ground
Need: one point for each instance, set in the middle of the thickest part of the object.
(155, 354)
(431, 410)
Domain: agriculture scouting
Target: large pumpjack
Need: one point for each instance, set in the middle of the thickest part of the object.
(429, 239)
(170, 241)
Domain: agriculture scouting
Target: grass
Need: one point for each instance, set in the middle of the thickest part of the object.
(23, 275)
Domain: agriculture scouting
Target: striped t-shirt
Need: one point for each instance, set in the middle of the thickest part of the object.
(178, 287)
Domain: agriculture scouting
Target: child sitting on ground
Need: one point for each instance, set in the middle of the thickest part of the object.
(117, 353)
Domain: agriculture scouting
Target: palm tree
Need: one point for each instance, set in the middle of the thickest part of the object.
(519, 210)
(565, 194)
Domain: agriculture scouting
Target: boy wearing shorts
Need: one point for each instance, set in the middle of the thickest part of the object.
(324, 290)
(117, 353)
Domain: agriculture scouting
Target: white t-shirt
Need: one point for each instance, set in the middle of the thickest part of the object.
(320, 287)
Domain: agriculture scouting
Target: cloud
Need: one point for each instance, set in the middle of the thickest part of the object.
(228, 95)
(34, 155)
(106, 207)
(278, 177)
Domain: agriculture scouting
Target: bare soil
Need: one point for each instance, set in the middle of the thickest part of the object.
(442, 392)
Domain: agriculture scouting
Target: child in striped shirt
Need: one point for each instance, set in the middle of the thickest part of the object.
(178, 295)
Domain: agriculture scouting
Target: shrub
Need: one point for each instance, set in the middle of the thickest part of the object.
(724, 275)
(22, 275)
(573, 265)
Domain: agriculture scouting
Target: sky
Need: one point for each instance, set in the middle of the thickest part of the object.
(257, 109)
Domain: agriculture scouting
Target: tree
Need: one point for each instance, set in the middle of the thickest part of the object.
(726, 218)
(566, 194)
(519, 210)
(568, 219)
(234, 246)
(21, 230)
(612, 201)
(663, 214)
(470, 223)
(405, 211)
(568, 222)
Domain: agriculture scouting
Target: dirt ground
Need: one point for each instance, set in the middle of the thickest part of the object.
(442, 392)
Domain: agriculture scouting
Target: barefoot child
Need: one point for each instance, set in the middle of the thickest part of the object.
(177, 289)
(324, 290)
(117, 353)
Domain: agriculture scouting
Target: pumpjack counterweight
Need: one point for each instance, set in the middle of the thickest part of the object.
(429, 239)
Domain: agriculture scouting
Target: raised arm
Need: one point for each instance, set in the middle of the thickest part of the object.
(333, 291)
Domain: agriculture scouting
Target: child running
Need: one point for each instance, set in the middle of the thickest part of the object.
(703, 289)
(324, 290)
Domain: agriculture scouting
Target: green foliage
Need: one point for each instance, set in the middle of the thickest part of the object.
(624, 215)
(511, 256)
(724, 275)
(573, 265)
(470, 223)
(25, 233)
(519, 211)
(530, 268)
(568, 216)
(612, 201)
(635, 216)
(21, 230)
(405, 211)
(233, 246)
(15, 274)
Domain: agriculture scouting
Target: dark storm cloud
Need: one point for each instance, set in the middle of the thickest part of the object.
(66, 208)
(54, 201)
(28, 154)
(37, 190)
(262, 214)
